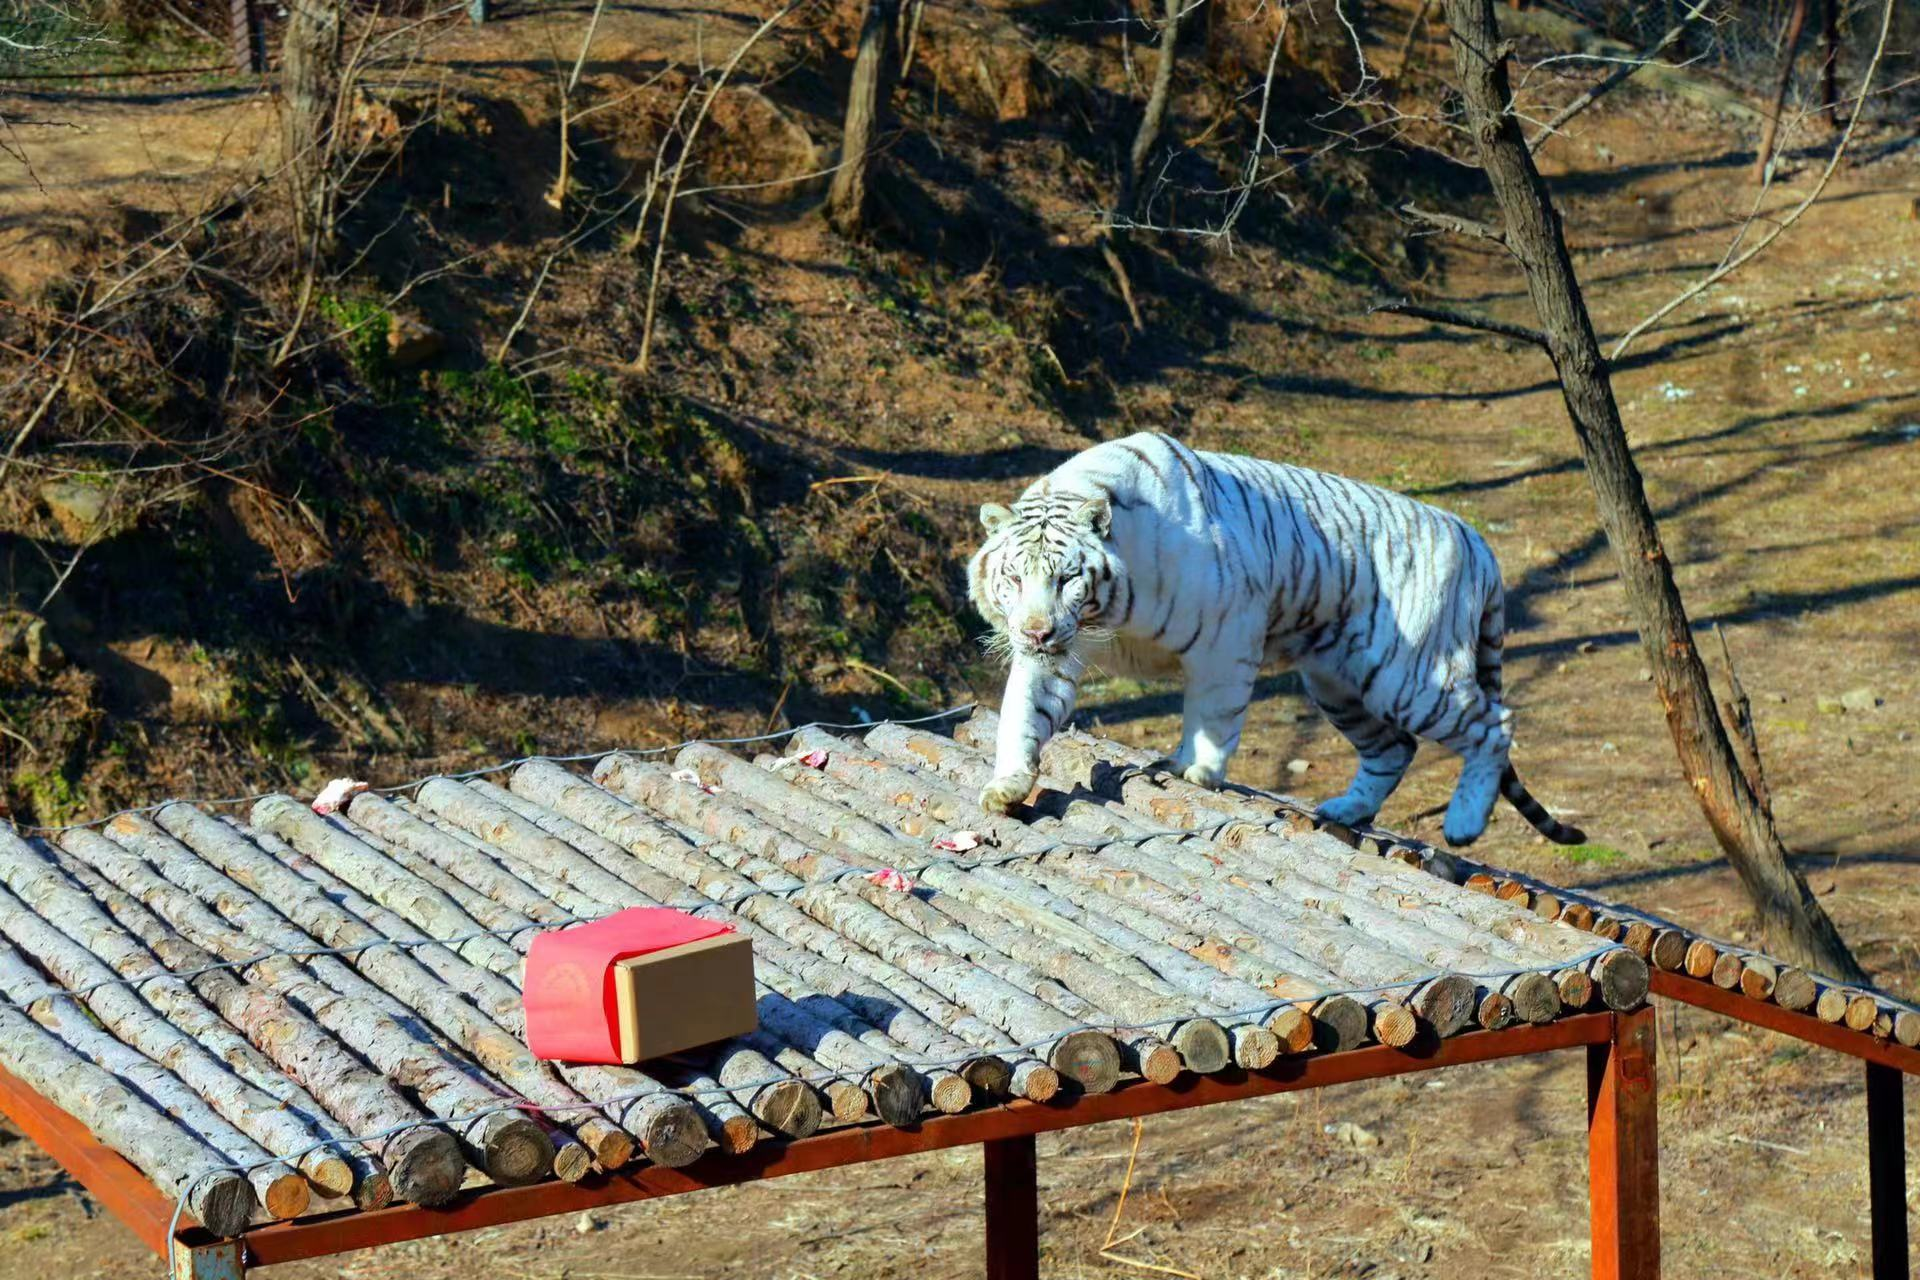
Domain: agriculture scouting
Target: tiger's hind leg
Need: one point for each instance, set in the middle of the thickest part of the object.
(1483, 740)
(1385, 751)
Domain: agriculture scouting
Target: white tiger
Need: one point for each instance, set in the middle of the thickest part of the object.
(1147, 557)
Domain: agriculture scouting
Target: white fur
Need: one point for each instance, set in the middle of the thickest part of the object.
(1143, 556)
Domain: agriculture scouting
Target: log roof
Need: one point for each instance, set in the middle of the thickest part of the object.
(290, 1012)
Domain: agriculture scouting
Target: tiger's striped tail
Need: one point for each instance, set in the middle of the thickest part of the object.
(1536, 813)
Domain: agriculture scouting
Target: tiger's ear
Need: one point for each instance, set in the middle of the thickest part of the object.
(993, 515)
(1096, 513)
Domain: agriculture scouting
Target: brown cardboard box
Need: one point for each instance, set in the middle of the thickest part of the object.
(685, 996)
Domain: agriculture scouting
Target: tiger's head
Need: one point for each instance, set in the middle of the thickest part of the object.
(1047, 573)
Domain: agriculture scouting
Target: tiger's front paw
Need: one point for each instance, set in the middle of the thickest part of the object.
(1204, 775)
(1003, 793)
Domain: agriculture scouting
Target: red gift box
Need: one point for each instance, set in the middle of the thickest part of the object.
(572, 989)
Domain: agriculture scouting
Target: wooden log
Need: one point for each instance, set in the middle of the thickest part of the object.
(669, 1131)
(1621, 978)
(1358, 963)
(1576, 988)
(1701, 957)
(599, 1141)
(421, 1163)
(1794, 989)
(1639, 936)
(1726, 971)
(1081, 989)
(1670, 949)
(1533, 997)
(846, 1101)
(278, 1188)
(1385, 893)
(964, 988)
(1111, 769)
(1495, 1011)
(1862, 1010)
(729, 1124)
(262, 1117)
(860, 996)
(1906, 1027)
(1831, 1005)
(510, 1148)
(835, 1038)
(485, 864)
(787, 1107)
(178, 1162)
(1004, 910)
(1758, 978)
(857, 772)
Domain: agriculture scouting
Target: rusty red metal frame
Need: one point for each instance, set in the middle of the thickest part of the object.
(148, 1211)
(1622, 1142)
(1801, 1026)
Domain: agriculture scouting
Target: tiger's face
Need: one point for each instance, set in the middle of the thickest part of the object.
(1046, 573)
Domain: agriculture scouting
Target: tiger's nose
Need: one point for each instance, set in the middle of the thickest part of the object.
(1039, 635)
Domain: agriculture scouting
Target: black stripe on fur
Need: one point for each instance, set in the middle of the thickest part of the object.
(1535, 813)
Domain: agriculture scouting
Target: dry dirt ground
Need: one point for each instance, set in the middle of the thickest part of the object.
(1778, 423)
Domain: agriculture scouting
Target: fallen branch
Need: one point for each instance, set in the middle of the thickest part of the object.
(1462, 319)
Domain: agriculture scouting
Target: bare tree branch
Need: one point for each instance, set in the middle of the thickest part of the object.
(1461, 319)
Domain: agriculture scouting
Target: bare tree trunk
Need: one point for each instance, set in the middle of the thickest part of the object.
(1154, 118)
(873, 69)
(1789, 51)
(1830, 62)
(310, 85)
(1795, 925)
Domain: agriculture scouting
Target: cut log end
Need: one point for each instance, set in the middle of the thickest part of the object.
(1535, 998)
(1340, 1023)
(674, 1135)
(1036, 1081)
(1831, 1005)
(738, 1134)
(1906, 1027)
(286, 1196)
(1495, 1012)
(788, 1107)
(1861, 1011)
(1447, 1003)
(1670, 950)
(846, 1101)
(1155, 1060)
(1794, 989)
(1701, 957)
(898, 1094)
(222, 1203)
(1639, 937)
(1254, 1047)
(514, 1149)
(949, 1092)
(425, 1166)
(1203, 1045)
(1394, 1025)
(1089, 1059)
(1575, 987)
(571, 1161)
(990, 1077)
(1726, 971)
(1294, 1027)
(1758, 979)
(330, 1175)
(1623, 979)
(372, 1189)
(611, 1146)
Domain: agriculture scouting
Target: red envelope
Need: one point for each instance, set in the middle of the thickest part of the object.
(571, 1005)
